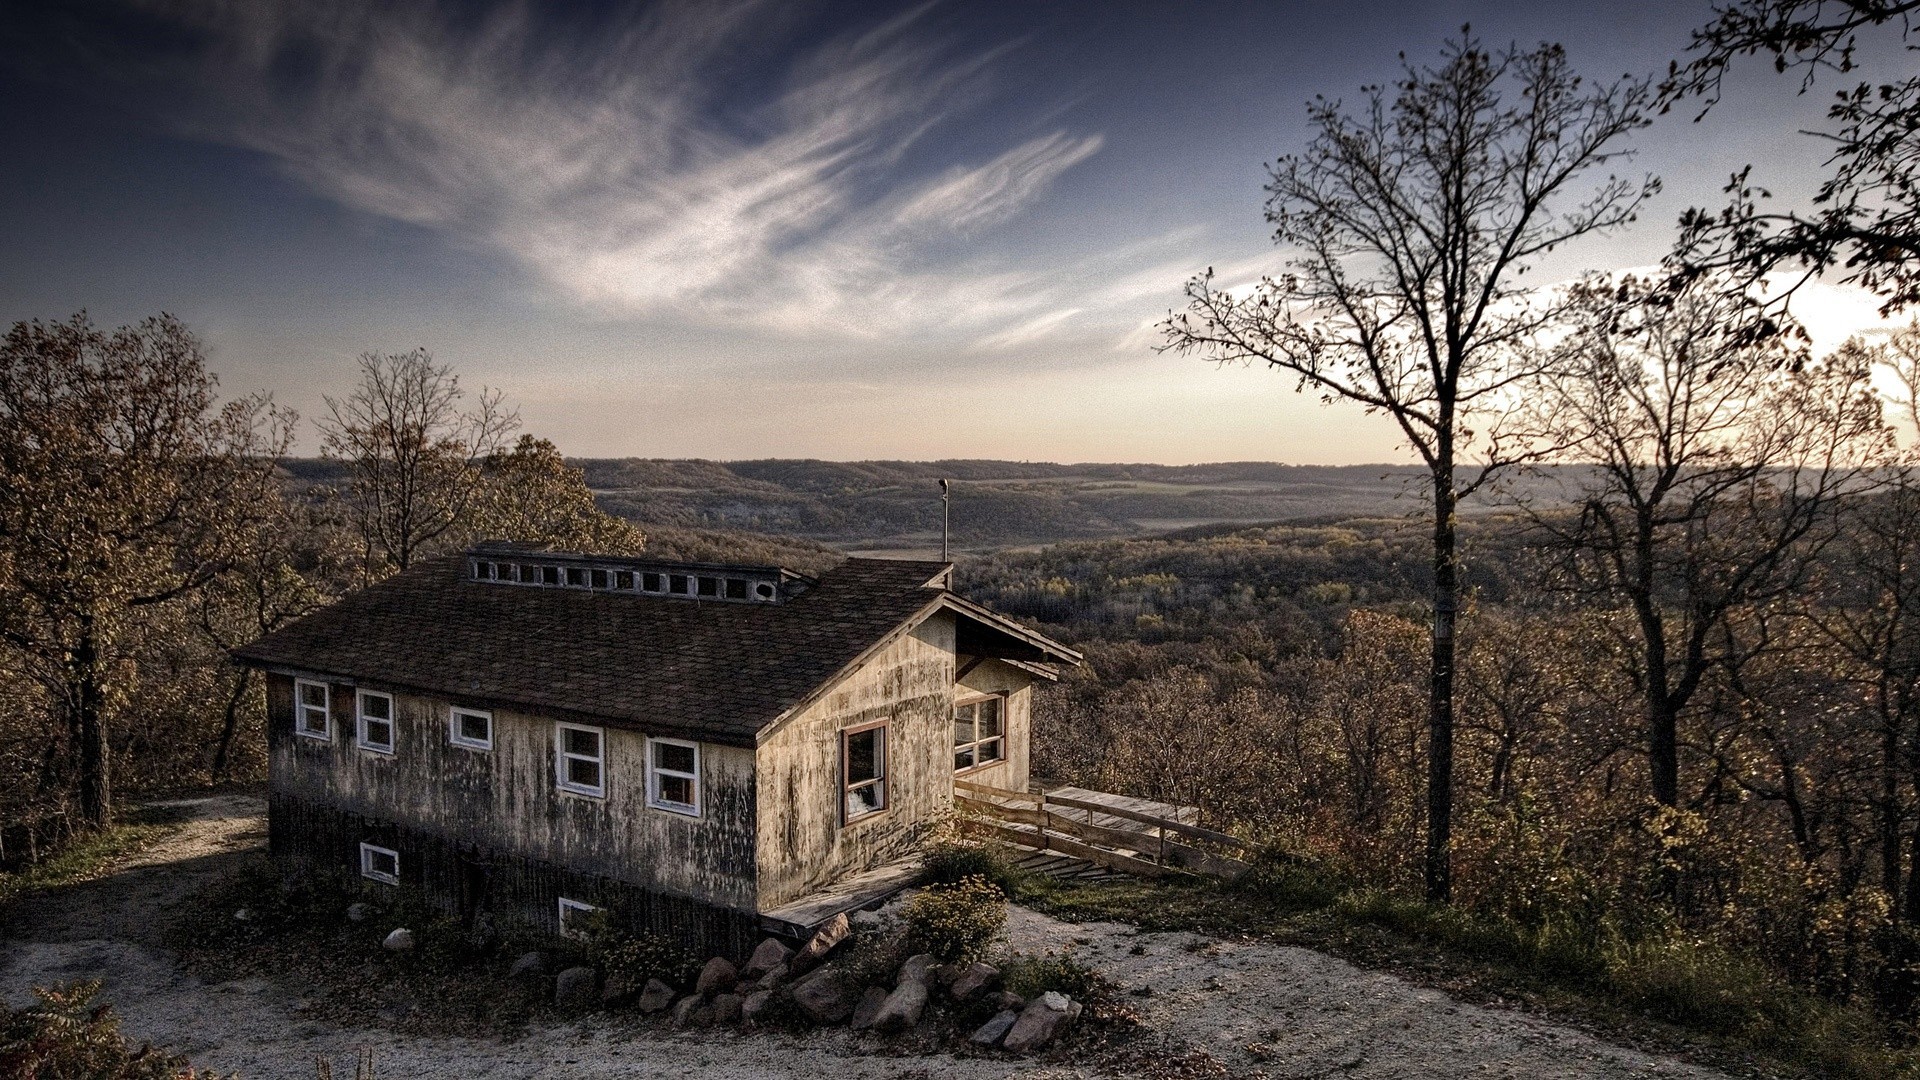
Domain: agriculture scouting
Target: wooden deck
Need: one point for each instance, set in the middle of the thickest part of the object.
(803, 916)
(1115, 832)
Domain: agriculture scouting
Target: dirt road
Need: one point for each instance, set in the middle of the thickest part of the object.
(1259, 1009)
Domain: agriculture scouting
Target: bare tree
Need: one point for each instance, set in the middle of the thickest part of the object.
(122, 487)
(1412, 217)
(1714, 469)
(413, 454)
(1865, 218)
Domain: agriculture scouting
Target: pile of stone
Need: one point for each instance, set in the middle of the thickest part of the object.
(803, 983)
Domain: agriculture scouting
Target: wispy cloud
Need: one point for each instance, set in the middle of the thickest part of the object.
(625, 170)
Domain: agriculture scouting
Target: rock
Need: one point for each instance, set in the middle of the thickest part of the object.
(359, 912)
(243, 915)
(773, 978)
(869, 1007)
(918, 969)
(867, 922)
(400, 940)
(716, 977)
(824, 996)
(770, 954)
(655, 996)
(530, 965)
(994, 1030)
(754, 1007)
(903, 1007)
(727, 1008)
(686, 1011)
(1009, 1001)
(1039, 1022)
(819, 945)
(576, 987)
(972, 980)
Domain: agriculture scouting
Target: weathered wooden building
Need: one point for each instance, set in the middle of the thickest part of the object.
(705, 751)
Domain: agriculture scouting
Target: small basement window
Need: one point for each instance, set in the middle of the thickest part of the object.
(580, 759)
(673, 776)
(471, 728)
(310, 710)
(375, 730)
(979, 735)
(863, 771)
(576, 918)
(380, 864)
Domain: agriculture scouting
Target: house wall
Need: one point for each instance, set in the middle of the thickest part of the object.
(1016, 687)
(802, 842)
(504, 808)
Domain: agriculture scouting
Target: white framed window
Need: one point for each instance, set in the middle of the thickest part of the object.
(573, 917)
(863, 771)
(673, 776)
(580, 759)
(979, 733)
(471, 728)
(311, 716)
(374, 728)
(380, 864)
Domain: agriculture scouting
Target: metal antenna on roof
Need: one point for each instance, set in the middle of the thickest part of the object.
(945, 516)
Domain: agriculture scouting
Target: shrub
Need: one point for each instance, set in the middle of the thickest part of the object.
(67, 1035)
(952, 861)
(637, 957)
(1031, 976)
(957, 922)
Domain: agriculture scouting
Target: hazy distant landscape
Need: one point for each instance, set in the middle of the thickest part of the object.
(894, 506)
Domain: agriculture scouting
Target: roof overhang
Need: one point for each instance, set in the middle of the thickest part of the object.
(982, 632)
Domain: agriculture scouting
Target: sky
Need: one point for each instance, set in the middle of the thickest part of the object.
(763, 229)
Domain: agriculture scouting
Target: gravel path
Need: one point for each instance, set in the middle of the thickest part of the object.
(1259, 1009)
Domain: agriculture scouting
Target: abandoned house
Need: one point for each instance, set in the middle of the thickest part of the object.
(707, 752)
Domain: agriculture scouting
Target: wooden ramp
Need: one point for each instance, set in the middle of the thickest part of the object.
(802, 917)
(1114, 832)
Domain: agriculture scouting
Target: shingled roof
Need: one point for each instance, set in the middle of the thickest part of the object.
(721, 672)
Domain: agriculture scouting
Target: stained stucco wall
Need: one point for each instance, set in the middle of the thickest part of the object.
(1016, 687)
(506, 799)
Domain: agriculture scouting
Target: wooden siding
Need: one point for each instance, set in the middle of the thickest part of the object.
(995, 677)
(504, 802)
(802, 843)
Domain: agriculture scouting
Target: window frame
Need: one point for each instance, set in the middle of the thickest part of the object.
(325, 734)
(654, 772)
(360, 718)
(566, 904)
(884, 781)
(454, 736)
(367, 871)
(561, 755)
(973, 702)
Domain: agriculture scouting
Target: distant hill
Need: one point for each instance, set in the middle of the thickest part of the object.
(894, 506)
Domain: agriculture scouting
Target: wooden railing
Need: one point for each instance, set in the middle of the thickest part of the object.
(1162, 846)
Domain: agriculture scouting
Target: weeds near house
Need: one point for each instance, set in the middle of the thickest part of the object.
(957, 922)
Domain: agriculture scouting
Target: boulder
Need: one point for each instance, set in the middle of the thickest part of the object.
(972, 980)
(819, 945)
(1039, 1022)
(687, 1012)
(903, 1008)
(530, 965)
(619, 988)
(718, 976)
(726, 1008)
(359, 912)
(824, 996)
(869, 1007)
(400, 940)
(994, 1030)
(753, 1008)
(775, 977)
(655, 996)
(918, 970)
(576, 987)
(1009, 1001)
(770, 954)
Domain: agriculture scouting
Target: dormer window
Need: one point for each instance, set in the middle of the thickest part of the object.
(600, 573)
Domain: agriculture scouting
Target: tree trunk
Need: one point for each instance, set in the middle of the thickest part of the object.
(229, 725)
(1890, 809)
(1663, 750)
(1446, 594)
(89, 704)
